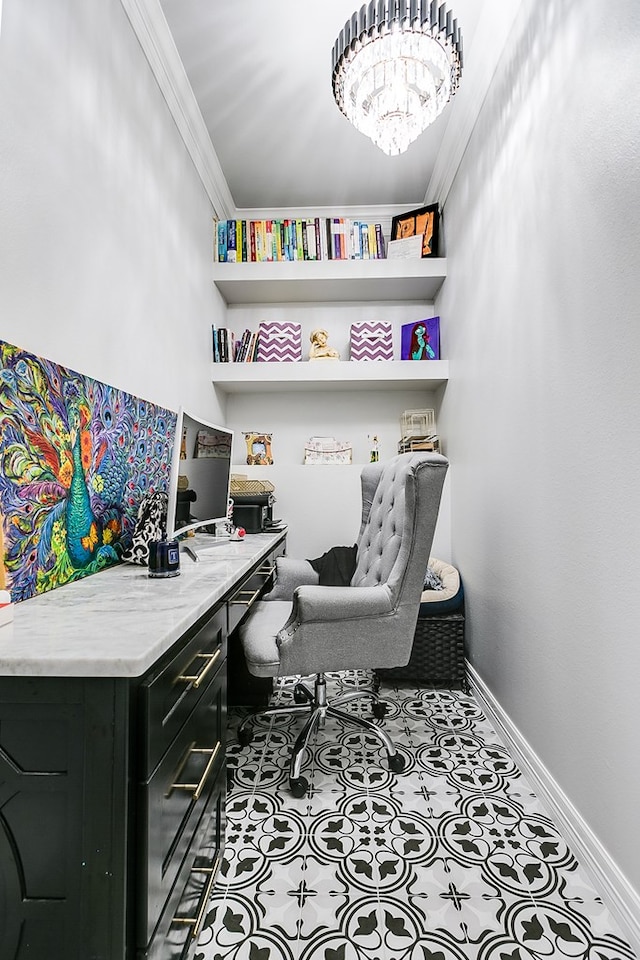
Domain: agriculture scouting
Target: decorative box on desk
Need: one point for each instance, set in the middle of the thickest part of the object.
(438, 654)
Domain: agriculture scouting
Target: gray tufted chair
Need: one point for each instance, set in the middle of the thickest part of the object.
(302, 628)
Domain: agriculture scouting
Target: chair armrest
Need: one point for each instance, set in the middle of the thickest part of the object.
(291, 573)
(315, 603)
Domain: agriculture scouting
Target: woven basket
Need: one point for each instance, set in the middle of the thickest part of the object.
(438, 654)
(250, 487)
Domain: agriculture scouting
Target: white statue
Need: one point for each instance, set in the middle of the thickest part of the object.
(319, 349)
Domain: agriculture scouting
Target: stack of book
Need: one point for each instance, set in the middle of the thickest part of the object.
(227, 348)
(311, 238)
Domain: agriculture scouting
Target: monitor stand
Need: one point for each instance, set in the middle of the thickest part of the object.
(213, 542)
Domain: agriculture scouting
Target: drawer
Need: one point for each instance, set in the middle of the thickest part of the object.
(171, 691)
(173, 801)
(179, 928)
(256, 584)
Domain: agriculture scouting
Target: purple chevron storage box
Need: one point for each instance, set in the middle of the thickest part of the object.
(279, 341)
(371, 340)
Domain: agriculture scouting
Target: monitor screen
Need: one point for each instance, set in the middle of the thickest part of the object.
(200, 475)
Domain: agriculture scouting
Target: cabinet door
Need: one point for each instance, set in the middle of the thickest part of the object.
(171, 690)
(55, 737)
(177, 934)
(174, 801)
(252, 588)
(244, 689)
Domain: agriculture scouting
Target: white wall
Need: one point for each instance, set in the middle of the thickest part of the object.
(541, 305)
(106, 238)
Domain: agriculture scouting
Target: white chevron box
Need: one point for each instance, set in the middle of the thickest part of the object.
(279, 341)
(371, 340)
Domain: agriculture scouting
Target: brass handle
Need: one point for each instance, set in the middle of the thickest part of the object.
(195, 788)
(197, 678)
(267, 569)
(252, 594)
(196, 922)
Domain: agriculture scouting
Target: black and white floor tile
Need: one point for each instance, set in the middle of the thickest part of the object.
(454, 859)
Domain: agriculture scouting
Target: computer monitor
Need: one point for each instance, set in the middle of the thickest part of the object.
(200, 475)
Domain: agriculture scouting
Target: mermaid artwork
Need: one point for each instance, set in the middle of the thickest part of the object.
(420, 348)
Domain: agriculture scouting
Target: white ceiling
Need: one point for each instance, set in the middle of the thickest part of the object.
(261, 74)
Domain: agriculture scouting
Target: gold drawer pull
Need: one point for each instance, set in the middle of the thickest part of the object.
(252, 594)
(267, 569)
(196, 922)
(195, 788)
(197, 678)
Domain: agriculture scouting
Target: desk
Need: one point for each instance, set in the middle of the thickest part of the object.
(112, 755)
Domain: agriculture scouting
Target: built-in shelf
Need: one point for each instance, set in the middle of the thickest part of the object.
(330, 375)
(330, 280)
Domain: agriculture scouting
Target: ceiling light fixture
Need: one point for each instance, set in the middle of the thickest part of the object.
(396, 64)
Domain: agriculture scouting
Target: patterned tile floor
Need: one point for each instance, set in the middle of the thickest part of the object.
(454, 859)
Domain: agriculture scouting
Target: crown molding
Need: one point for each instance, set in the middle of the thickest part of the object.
(151, 29)
(486, 46)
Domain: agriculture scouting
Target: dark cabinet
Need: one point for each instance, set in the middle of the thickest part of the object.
(245, 690)
(63, 804)
(112, 796)
(176, 797)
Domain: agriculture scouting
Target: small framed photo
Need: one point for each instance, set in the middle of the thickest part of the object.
(421, 340)
(259, 449)
(422, 222)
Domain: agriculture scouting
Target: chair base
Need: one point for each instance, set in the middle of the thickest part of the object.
(315, 706)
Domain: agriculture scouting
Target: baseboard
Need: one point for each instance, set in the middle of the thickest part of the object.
(617, 893)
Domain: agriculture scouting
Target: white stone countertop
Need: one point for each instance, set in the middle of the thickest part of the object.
(117, 623)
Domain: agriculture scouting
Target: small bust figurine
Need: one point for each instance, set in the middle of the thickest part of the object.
(319, 349)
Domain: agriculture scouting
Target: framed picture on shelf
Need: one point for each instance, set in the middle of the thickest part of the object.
(258, 449)
(422, 222)
(420, 340)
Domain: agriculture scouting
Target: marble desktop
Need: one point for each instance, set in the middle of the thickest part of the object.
(120, 621)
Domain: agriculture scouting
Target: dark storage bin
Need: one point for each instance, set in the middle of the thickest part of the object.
(438, 653)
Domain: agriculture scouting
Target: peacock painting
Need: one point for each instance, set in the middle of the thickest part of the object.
(77, 456)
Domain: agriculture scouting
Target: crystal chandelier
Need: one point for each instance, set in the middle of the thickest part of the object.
(396, 63)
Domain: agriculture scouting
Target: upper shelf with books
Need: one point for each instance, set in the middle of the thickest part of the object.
(328, 281)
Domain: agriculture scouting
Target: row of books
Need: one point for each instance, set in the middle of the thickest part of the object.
(312, 238)
(227, 348)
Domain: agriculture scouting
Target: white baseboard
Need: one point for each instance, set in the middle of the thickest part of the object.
(617, 893)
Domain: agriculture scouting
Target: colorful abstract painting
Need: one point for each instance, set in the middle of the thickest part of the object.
(76, 458)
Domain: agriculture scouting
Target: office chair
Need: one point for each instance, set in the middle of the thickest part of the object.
(303, 628)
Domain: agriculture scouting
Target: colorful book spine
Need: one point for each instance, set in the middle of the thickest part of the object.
(318, 239)
(244, 243)
(231, 241)
(222, 241)
(299, 241)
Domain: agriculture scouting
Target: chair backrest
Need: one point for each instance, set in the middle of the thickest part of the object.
(400, 502)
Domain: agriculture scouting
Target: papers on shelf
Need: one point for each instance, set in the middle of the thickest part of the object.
(409, 248)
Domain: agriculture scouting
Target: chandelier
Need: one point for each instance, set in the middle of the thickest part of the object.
(395, 65)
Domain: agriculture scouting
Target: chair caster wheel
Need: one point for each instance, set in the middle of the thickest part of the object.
(298, 786)
(300, 695)
(397, 763)
(245, 736)
(379, 710)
